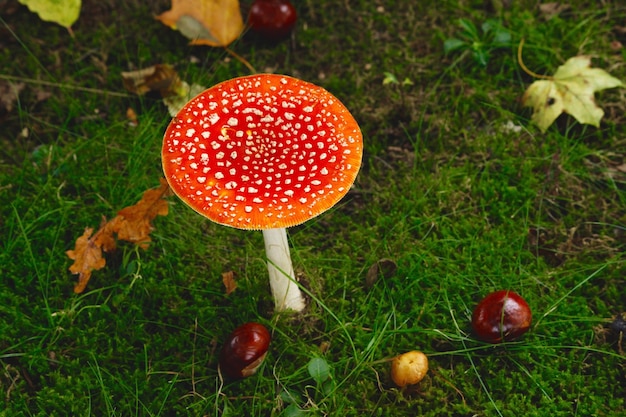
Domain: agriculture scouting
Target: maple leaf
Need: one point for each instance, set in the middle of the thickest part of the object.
(133, 224)
(205, 22)
(571, 90)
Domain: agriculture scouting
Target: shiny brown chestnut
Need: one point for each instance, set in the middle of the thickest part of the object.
(501, 316)
(244, 350)
(272, 19)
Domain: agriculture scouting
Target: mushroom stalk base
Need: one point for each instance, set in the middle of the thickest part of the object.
(287, 295)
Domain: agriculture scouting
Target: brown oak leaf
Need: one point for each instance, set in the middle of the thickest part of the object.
(87, 256)
(133, 224)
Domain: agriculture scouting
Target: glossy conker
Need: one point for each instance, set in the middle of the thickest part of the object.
(244, 350)
(272, 19)
(409, 368)
(501, 316)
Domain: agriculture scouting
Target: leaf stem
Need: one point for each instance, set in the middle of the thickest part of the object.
(240, 59)
(520, 61)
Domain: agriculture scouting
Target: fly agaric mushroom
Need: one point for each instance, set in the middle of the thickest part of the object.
(263, 152)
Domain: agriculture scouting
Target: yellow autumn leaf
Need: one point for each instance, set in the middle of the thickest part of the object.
(205, 22)
(571, 90)
(63, 12)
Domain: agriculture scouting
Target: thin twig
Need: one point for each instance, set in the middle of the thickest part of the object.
(67, 86)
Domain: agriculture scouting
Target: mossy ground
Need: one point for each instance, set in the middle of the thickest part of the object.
(457, 188)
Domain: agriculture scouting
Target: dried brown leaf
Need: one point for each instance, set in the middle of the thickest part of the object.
(552, 9)
(228, 278)
(131, 116)
(9, 93)
(161, 78)
(134, 223)
(385, 268)
(87, 257)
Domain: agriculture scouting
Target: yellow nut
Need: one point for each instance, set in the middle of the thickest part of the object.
(409, 368)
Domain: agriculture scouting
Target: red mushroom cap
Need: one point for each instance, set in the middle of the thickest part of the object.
(262, 151)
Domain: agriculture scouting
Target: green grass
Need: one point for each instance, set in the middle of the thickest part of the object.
(462, 205)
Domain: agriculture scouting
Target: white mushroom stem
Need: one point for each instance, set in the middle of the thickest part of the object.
(287, 295)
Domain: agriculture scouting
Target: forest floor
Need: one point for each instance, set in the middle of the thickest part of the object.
(459, 192)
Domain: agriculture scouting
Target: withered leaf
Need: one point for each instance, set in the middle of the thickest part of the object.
(205, 22)
(161, 78)
(104, 236)
(9, 93)
(131, 116)
(134, 223)
(570, 90)
(228, 278)
(385, 268)
(87, 256)
(552, 9)
(176, 102)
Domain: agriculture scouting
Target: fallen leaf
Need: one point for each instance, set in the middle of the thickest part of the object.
(616, 46)
(161, 78)
(104, 236)
(65, 12)
(385, 268)
(176, 103)
(87, 257)
(228, 278)
(131, 116)
(552, 9)
(134, 223)
(570, 90)
(9, 93)
(42, 95)
(205, 22)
